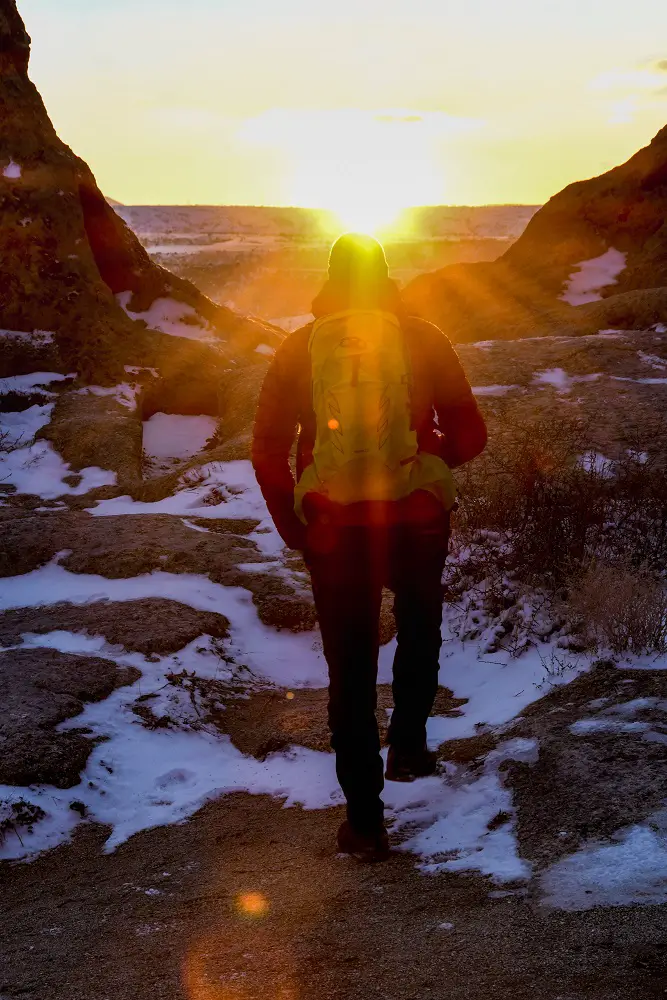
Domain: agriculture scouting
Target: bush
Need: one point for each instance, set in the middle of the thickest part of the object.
(620, 609)
(542, 516)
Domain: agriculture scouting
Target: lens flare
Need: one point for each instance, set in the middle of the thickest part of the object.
(252, 904)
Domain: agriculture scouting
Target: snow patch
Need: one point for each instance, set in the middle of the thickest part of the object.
(283, 658)
(218, 489)
(12, 171)
(467, 823)
(265, 349)
(560, 380)
(19, 428)
(594, 462)
(171, 317)
(652, 360)
(139, 777)
(24, 383)
(38, 338)
(172, 437)
(39, 470)
(291, 323)
(584, 284)
(493, 390)
(632, 869)
(138, 369)
(34, 467)
(123, 393)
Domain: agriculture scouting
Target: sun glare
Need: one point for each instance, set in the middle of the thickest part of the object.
(366, 167)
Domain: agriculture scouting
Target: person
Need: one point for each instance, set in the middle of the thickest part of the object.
(370, 507)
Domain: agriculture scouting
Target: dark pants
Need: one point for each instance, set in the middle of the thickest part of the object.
(349, 566)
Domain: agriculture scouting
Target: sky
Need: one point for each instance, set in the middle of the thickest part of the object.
(377, 103)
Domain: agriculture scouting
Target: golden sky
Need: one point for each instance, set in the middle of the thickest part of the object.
(361, 102)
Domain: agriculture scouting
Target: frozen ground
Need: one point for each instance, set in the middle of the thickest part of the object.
(139, 777)
(522, 817)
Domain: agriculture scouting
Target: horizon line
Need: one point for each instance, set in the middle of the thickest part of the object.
(312, 208)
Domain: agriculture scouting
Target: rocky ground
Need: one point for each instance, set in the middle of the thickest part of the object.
(169, 805)
(168, 802)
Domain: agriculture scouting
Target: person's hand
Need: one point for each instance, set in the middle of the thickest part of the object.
(293, 533)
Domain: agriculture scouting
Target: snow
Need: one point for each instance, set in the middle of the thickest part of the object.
(594, 462)
(284, 658)
(170, 437)
(496, 690)
(265, 349)
(584, 284)
(560, 380)
(12, 171)
(25, 383)
(138, 369)
(218, 489)
(139, 778)
(39, 338)
(39, 470)
(19, 428)
(640, 381)
(632, 869)
(652, 360)
(291, 323)
(124, 393)
(454, 817)
(493, 390)
(582, 727)
(34, 466)
(171, 317)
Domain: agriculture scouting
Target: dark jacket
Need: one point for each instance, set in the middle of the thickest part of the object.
(444, 413)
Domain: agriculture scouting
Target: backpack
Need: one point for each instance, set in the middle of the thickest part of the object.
(365, 447)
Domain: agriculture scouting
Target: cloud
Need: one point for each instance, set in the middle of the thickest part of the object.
(630, 81)
(623, 112)
(296, 127)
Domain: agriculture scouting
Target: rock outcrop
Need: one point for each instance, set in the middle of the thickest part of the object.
(66, 258)
(614, 225)
(80, 294)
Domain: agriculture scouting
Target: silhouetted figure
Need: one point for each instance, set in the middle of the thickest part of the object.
(382, 411)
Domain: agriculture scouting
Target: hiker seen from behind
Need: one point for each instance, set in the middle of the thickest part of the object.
(381, 411)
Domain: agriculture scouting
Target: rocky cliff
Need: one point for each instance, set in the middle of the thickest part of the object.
(68, 263)
(572, 268)
(79, 295)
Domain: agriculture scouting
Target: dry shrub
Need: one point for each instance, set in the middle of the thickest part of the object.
(530, 497)
(535, 520)
(621, 609)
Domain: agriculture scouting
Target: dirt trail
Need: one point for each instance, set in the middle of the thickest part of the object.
(162, 917)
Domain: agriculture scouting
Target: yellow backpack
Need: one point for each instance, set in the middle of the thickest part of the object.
(365, 448)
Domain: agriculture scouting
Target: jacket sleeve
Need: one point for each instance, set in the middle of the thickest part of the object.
(459, 418)
(275, 430)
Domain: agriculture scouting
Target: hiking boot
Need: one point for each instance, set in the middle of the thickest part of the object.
(369, 847)
(403, 766)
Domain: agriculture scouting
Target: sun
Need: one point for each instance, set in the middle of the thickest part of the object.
(367, 168)
(364, 212)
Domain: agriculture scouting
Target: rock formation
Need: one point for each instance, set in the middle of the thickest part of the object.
(79, 294)
(66, 257)
(613, 224)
